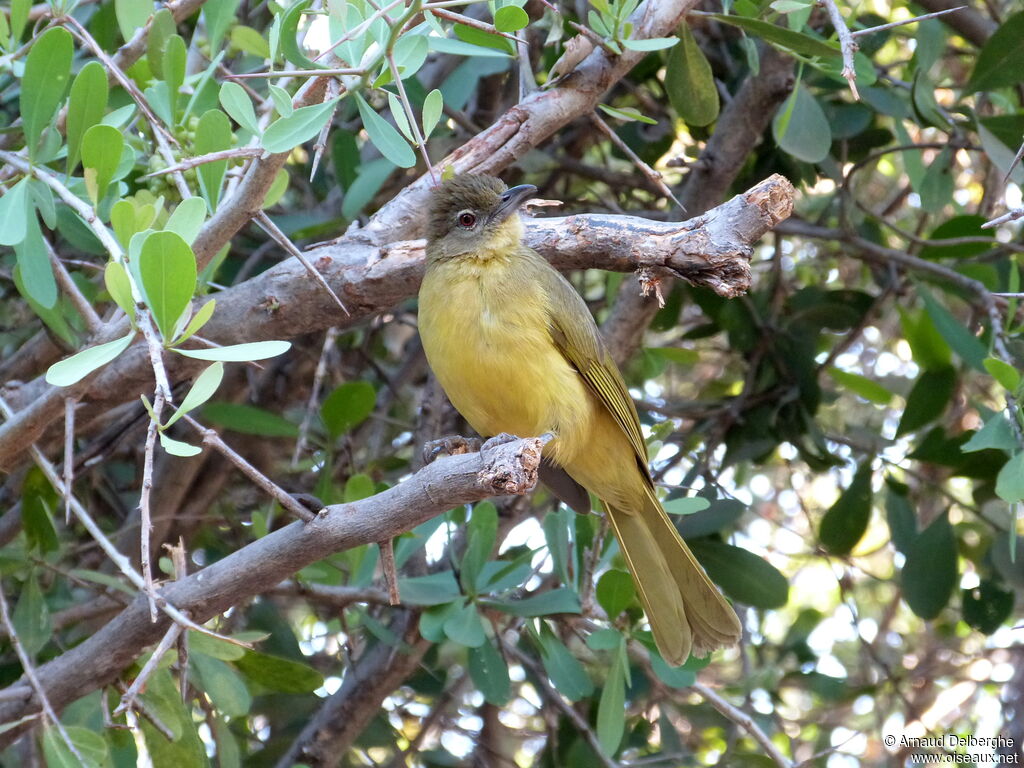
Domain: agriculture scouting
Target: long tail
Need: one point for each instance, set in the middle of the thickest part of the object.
(686, 611)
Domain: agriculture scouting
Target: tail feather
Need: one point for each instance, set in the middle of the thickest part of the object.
(686, 611)
(713, 621)
(654, 580)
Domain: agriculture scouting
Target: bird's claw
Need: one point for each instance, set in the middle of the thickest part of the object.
(452, 445)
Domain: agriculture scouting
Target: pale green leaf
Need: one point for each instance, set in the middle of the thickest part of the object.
(167, 269)
(239, 353)
(286, 133)
(385, 137)
(78, 366)
(202, 390)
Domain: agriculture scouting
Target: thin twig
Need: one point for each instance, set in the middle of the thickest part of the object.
(273, 490)
(847, 45)
(93, 322)
(333, 91)
(894, 24)
(314, 394)
(387, 564)
(1016, 213)
(267, 225)
(30, 673)
(211, 157)
(115, 555)
(337, 72)
(552, 695)
(410, 116)
(652, 175)
(483, 26)
(128, 699)
(746, 722)
(69, 455)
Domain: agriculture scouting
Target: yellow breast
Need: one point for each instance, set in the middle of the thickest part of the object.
(485, 333)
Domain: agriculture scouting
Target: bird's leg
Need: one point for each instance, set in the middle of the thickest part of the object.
(452, 445)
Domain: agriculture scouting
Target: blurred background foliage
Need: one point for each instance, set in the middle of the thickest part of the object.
(841, 446)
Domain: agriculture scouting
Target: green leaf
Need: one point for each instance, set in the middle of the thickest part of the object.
(199, 319)
(569, 677)
(742, 575)
(34, 264)
(1010, 480)
(250, 41)
(720, 514)
(286, 133)
(160, 31)
(249, 420)
(215, 647)
(629, 114)
(167, 268)
(222, 684)
(277, 674)
(846, 521)
(178, 447)
(986, 606)
(510, 19)
(479, 37)
(31, 617)
(923, 98)
(78, 366)
(901, 518)
(174, 63)
(219, 15)
(358, 487)
(213, 133)
(236, 102)
(19, 16)
(465, 627)
(560, 600)
(14, 213)
(47, 71)
(997, 433)
(928, 399)
(435, 589)
(1001, 60)
(239, 353)
(676, 677)
(780, 37)
(556, 533)
(930, 572)
(1003, 372)
(102, 146)
(90, 745)
(282, 101)
(398, 115)
(384, 136)
(489, 672)
(648, 44)
(347, 407)
(789, 6)
(690, 83)
(38, 499)
(289, 35)
(482, 531)
(132, 15)
(86, 105)
(611, 710)
(187, 218)
(202, 390)
(964, 343)
(115, 277)
(686, 506)
(936, 188)
(801, 129)
(870, 390)
(615, 591)
(968, 225)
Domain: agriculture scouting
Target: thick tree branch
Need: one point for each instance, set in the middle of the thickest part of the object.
(510, 468)
(711, 250)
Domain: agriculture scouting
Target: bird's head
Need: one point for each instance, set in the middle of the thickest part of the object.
(475, 215)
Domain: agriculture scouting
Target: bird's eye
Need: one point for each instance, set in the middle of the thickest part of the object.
(467, 220)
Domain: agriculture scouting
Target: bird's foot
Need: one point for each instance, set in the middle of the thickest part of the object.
(500, 439)
(452, 445)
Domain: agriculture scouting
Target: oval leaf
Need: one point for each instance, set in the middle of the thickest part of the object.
(47, 71)
(239, 353)
(930, 572)
(801, 129)
(77, 367)
(167, 268)
(286, 133)
(384, 136)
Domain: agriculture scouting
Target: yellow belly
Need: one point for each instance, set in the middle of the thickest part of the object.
(484, 331)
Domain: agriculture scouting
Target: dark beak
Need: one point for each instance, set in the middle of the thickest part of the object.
(511, 200)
